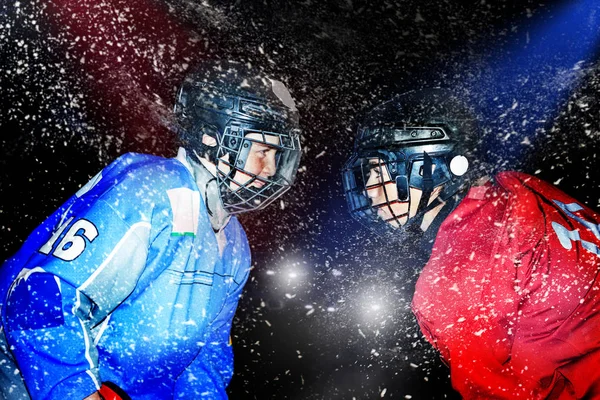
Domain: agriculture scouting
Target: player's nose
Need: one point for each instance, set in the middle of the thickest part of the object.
(269, 167)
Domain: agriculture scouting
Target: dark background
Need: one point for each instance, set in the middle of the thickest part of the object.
(326, 312)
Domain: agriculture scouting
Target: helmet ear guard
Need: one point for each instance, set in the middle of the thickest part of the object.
(427, 181)
(402, 188)
(230, 143)
(194, 140)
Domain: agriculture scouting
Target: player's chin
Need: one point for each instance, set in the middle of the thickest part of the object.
(384, 215)
(396, 222)
(390, 219)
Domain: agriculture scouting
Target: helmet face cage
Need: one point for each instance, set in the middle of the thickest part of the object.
(378, 180)
(356, 181)
(254, 192)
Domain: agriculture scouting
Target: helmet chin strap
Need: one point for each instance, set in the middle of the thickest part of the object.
(424, 206)
(217, 214)
(452, 188)
(427, 188)
(209, 188)
(427, 181)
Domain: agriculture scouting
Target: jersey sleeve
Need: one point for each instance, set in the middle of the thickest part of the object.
(80, 273)
(49, 339)
(559, 281)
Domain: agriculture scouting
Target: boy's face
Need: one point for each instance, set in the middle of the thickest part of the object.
(261, 162)
(383, 193)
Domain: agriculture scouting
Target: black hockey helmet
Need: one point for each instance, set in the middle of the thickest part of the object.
(238, 105)
(420, 139)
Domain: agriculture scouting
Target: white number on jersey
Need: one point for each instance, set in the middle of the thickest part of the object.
(74, 242)
(566, 236)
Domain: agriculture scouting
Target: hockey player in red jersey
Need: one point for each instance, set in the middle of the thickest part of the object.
(510, 295)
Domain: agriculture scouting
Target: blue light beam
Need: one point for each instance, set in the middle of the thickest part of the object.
(520, 91)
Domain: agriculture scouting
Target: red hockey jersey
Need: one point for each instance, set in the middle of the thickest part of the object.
(511, 295)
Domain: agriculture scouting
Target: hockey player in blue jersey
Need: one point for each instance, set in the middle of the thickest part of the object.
(129, 289)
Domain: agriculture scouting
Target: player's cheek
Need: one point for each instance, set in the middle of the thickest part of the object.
(374, 193)
(253, 164)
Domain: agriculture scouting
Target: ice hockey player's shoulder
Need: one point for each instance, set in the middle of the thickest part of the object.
(517, 183)
(149, 170)
(527, 195)
(235, 228)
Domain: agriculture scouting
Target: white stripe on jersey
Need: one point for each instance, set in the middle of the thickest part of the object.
(131, 231)
(103, 327)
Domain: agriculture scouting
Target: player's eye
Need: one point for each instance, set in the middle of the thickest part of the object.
(377, 170)
(262, 152)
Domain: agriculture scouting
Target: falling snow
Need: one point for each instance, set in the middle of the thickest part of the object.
(327, 311)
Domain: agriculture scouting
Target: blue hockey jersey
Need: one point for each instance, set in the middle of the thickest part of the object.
(125, 283)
